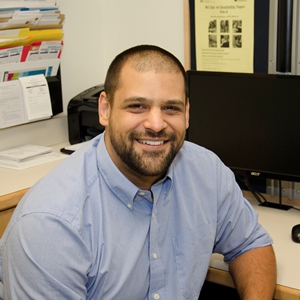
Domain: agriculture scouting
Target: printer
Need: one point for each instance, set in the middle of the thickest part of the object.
(83, 119)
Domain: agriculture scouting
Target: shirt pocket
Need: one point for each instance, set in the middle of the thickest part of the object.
(193, 251)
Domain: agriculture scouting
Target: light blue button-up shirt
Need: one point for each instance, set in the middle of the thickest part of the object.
(85, 231)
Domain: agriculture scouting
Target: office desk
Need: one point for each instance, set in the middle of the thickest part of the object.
(279, 223)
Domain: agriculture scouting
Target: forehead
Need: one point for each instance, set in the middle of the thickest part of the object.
(150, 85)
(151, 81)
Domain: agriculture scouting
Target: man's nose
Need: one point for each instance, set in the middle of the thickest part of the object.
(155, 120)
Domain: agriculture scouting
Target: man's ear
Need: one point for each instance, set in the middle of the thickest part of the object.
(103, 109)
(187, 114)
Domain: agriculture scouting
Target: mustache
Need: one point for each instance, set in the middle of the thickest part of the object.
(151, 134)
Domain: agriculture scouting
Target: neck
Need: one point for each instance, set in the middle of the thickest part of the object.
(142, 182)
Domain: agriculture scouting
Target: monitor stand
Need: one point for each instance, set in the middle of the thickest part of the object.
(277, 205)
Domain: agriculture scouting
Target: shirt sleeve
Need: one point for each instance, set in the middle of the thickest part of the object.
(238, 230)
(30, 268)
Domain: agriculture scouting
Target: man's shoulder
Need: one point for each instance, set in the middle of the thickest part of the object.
(64, 189)
(196, 159)
(191, 150)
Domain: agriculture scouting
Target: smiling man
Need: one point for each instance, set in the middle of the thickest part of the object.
(137, 212)
(146, 117)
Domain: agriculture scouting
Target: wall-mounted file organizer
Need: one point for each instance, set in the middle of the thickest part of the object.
(31, 43)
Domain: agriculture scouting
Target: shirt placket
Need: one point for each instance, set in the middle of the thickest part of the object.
(157, 280)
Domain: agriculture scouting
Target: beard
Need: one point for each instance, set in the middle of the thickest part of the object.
(147, 163)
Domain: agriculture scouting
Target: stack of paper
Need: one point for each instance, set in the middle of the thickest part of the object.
(24, 152)
(28, 156)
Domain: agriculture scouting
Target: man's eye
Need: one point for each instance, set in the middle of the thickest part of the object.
(172, 108)
(136, 108)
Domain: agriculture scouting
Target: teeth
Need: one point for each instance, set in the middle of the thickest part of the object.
(151, 143)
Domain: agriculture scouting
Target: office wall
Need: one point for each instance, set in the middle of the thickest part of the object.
(82, 58)
(132, 22)
(95, 32)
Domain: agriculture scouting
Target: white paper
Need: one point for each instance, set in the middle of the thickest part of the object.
(9, 32)
(24, 100)
(36, 97)
(46, 158)
(10, 55)
(6, 13)
(12, 108)
(24, 152)
(23, 21)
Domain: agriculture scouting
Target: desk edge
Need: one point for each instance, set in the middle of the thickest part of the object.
(224, 278)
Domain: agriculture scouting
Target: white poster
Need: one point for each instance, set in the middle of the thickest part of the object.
(224, 35)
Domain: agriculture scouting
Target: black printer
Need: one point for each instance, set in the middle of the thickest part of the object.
(83, 119)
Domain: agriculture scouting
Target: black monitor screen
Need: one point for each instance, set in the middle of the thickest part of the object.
(251, 121)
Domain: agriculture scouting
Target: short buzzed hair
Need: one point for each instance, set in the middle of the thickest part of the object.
(143, 58)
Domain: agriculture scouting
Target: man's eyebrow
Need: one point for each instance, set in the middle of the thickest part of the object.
(135, 99)
(144, 100)
(174, 102)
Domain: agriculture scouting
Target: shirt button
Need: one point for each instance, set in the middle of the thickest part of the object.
(156, 296)
(141, 193)
(155, 255)
(129, 205)
(153, 215)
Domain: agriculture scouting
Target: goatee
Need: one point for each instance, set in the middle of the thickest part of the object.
(147, 163)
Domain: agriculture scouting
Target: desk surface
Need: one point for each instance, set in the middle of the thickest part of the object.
(277, 222)
(15, 180)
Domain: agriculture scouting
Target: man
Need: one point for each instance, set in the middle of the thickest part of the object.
(137, 212)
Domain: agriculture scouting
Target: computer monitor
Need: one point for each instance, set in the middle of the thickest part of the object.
(251, 121)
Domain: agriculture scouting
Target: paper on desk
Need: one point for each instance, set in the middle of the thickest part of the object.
(33, 162)
(24, 152)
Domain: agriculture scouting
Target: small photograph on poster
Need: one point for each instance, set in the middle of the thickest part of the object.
(237, 26)
(224, 26)
(237, 41)
(224, 40)
(212, 27)
(212, 41)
